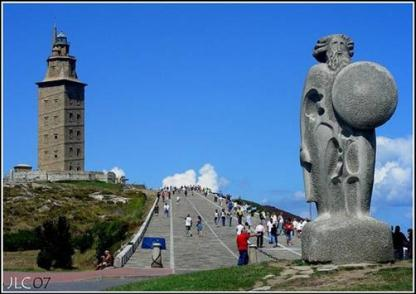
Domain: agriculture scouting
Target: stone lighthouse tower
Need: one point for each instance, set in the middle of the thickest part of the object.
(61, 111)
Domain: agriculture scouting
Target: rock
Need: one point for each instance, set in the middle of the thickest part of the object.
(264, 288)
(288, 272)
(19, 198)
(56, 203)
(268, 277)
(306, 272)
(356, 265)
(96, 196)
(301, 267)
(295, 277)
(327, 268)
(108, 198)
(274, 282)
(39, 186)
(258, 284)
(44, 208)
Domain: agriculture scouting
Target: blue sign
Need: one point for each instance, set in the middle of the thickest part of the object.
(147, 242)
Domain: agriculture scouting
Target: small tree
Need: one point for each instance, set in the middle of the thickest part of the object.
(55, 244)
(64, 252)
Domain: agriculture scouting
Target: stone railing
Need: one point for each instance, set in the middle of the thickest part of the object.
(125, 254)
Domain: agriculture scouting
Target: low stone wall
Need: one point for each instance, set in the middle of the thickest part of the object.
(32, 176)
(125, 254)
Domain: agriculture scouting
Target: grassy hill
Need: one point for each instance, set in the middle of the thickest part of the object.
(269, 209)
(87, 205)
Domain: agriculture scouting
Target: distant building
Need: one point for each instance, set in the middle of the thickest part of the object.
(22, 168)
(61, 112)
(111, 177)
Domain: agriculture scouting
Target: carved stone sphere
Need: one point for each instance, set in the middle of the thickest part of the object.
(364, 95)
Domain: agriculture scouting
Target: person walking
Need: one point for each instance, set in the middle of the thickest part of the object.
(230, 218)
(242, 245)
(223, 217)
(248, 220)
(409, 243)
(216, 217)
(239, 229)
(199, 226)
(269, 229)
(239, 215)
(288, 228)
(166, 209)
(260, 233)
(188, 225)
(273, 233)
(399, 241)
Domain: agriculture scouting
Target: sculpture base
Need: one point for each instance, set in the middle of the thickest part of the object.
(340, 239)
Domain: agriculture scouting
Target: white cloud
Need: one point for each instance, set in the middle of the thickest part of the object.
(208, 178)
(398, 149)
(187, 178)
(393, 172)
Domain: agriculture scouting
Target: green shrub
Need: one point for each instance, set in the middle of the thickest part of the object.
(83, 242)
(21, 240)
(109, 233)
(44, 260)
(55, 244)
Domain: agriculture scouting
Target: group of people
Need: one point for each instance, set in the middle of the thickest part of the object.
(402, 244)
(188, 225)
(266, 223)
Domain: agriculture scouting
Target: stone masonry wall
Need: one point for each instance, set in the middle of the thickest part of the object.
(21, 177)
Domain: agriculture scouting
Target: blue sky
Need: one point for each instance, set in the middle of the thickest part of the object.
(172, 87)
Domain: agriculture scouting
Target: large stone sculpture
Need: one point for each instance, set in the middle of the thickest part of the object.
(342, 104)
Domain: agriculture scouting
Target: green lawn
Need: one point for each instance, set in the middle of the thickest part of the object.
(245, 278)
(394, 279)
(226, 279)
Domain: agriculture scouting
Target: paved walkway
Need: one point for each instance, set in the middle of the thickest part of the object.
(214, 249)
(65, 281)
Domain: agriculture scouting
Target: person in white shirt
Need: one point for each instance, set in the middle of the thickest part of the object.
(239, 228)
(280, 221)
(248, 220)
(300, 227)
(295, 224)
(269, 226)
(166, 209)
(269, 229)
(260, 233)
(274, 218)
(188, 224)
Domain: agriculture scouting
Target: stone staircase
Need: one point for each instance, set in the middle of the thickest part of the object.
(216, 247)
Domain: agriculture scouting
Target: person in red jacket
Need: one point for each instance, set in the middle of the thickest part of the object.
(242, 245)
